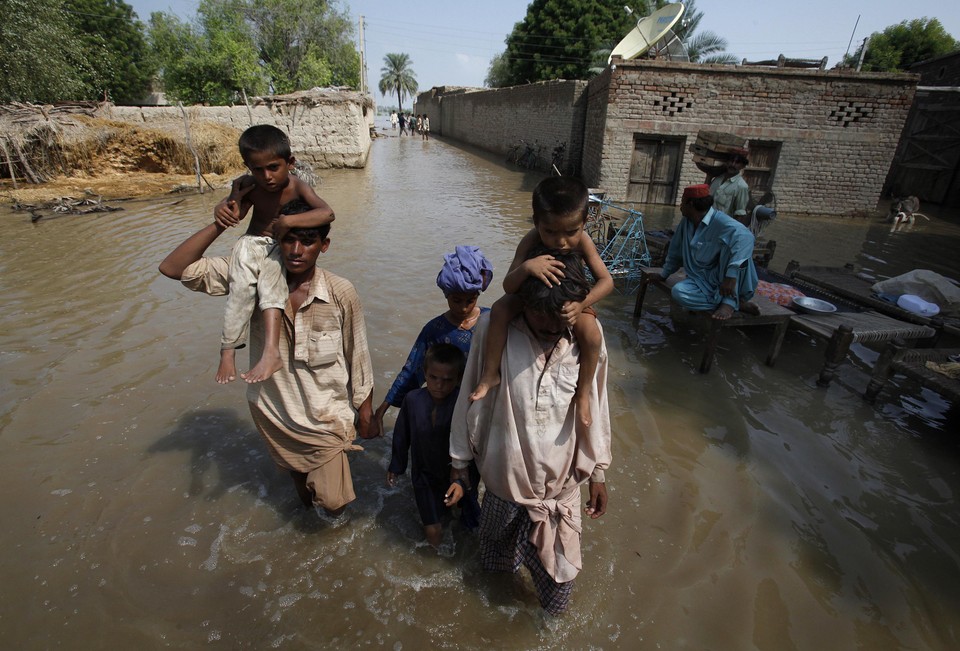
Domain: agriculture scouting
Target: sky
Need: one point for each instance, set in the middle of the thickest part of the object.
(451, 42)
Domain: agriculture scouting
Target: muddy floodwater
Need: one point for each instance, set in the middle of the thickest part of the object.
(749, 508)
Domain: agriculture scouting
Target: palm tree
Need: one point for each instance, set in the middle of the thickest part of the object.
(705, 47)
(396, 74)
(708, 47)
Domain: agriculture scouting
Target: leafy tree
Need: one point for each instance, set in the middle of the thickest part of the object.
(304, 43)
(256, 46)
(41, 56)
(397, 75)
(114, 45)
(497, 73)
(556, 37)
(210, 61)
(572, 39)
(899, 46)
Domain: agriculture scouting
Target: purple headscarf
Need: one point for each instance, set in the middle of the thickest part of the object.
(465, 270)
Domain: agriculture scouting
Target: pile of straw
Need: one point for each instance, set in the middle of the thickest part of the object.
(41, 143)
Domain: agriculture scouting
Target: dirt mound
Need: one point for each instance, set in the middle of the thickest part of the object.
(49, 154)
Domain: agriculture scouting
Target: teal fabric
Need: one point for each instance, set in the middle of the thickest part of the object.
(721, 247)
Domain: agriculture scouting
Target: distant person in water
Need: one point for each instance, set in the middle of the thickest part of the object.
(425, 130)
(403, 123)
(716, 252)
(255, 276)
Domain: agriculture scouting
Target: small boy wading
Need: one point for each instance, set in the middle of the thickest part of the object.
(422, 431)
(255, 275)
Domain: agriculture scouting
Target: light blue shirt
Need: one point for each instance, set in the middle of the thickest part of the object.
(714, 250)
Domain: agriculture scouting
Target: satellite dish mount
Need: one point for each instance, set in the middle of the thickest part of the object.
(653, 37)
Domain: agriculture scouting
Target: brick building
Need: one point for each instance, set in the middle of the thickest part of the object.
(821, 140)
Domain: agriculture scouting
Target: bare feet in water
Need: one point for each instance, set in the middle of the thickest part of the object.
(227, 371)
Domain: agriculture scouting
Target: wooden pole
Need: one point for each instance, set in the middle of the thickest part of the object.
(196, 158)
(6, 152)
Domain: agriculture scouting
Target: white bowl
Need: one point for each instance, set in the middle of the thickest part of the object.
(813, 305)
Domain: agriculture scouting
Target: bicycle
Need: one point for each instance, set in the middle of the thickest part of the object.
(513, 155)
(531, 157)
(557, 159)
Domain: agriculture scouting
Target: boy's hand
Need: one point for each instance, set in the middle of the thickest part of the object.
(227, 212)
(571, 311)
(546, 268)
(391, 479)
(453, 494)
(597, 505)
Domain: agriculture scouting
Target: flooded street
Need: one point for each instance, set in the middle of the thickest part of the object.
(749, 509)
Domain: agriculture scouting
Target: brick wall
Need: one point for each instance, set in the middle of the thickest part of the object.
(838, 130)
(942, 71)
(546, 113)
(329, 130)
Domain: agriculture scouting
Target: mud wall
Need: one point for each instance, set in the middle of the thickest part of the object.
(326, 131)
(836, 131)
(545, 114)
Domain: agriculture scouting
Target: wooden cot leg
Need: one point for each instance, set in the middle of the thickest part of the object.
(712, 338)
(778, 335)
(641, 295)
(837, 349)
(882, 371)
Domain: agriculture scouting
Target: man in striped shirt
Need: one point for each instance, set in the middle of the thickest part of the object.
(311, 410)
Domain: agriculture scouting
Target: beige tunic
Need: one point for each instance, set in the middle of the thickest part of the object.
(522, 436)
(306, 410)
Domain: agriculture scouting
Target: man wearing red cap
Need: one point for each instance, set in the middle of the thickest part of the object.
(716, 252)
(730, 192)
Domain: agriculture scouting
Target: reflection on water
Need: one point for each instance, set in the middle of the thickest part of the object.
(749, 508)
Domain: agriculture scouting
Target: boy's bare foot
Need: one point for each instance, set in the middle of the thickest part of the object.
(723, 312)
(749, 307)
(267, 366)
(227, 371)
(483, 387)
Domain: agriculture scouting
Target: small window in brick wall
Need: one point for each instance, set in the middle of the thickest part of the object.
(673, 103)
(849, 113)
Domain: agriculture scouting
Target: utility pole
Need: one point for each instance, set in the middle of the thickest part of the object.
(863, 52)
(363, 61)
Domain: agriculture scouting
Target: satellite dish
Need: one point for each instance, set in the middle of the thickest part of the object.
(654, 37)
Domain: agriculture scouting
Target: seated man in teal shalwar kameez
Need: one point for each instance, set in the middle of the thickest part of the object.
(716, 251)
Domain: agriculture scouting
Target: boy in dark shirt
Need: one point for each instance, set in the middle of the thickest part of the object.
(423, 427)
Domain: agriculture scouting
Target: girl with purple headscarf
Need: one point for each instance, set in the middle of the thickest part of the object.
(466, 272)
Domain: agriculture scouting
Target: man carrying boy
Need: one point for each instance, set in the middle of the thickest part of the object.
(730, 191)
(255, 276)
(306, 410)
(522, 435)
(422, 430)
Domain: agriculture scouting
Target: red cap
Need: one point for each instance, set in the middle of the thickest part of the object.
(696, 191)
